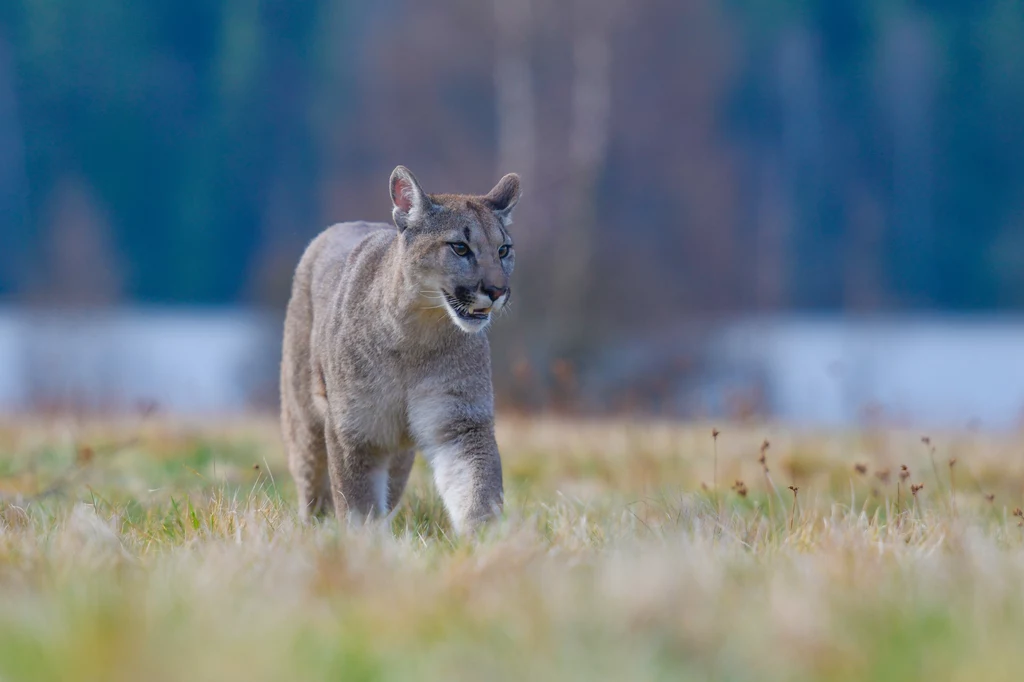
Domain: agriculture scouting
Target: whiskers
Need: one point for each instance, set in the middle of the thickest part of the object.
(435, 297)
(464, 312)
(457, 305)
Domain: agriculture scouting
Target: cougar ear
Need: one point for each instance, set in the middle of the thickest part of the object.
(504, 197)
(409, 199)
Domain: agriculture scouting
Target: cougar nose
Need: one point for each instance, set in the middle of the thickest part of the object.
(494, 293)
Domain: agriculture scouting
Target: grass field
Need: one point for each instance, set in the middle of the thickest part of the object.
(160, 550)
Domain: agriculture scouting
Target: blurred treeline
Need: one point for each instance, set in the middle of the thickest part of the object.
(679, 156)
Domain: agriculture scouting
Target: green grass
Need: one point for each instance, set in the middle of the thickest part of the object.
(172, 551)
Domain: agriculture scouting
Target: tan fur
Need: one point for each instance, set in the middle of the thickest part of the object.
(385, 353)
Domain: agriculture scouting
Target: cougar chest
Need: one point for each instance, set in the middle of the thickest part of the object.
(380, 418)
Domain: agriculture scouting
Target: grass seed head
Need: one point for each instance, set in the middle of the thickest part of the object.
(85, 454)
(763, 459)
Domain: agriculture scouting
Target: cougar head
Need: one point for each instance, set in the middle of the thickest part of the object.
(456, 248)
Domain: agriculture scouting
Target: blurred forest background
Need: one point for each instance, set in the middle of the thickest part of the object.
(681, 158)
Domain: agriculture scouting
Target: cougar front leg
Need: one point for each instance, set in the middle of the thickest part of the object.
(467, 472)
(359, 479)
(398, 476)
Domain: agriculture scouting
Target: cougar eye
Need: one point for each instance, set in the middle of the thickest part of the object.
(460, 248)
(503, 250)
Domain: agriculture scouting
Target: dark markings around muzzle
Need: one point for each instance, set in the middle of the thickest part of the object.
(465, 295)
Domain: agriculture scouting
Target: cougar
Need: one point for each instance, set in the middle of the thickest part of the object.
(385, 353)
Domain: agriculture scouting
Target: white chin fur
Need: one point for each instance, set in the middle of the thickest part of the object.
(468, 326)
